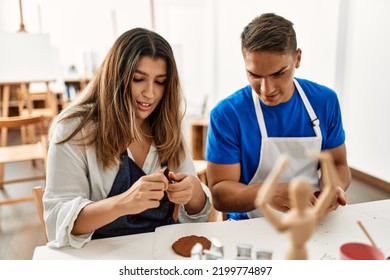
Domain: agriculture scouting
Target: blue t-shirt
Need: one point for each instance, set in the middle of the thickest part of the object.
(234, 134)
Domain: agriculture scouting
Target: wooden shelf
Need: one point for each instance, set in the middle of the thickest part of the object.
(198, 138)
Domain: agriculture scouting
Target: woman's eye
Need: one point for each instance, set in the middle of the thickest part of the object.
(160, 82)
(137, 80)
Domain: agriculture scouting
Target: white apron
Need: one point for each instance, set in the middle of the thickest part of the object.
(301, 164)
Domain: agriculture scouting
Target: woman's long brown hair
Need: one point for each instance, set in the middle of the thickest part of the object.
(106, 108)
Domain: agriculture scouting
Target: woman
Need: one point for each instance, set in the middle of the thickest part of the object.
(109, 149)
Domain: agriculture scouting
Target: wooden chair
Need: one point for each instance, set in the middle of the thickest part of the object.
(38, 197)
(45, 95)
(200, 167)
(34, 150)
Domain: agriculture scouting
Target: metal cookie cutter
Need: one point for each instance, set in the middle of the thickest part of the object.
(263, 255)
(216, 246)
(244, 251)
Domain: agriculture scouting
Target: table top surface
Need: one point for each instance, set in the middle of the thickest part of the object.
(331, 232)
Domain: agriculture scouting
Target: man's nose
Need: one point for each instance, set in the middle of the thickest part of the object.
(266, 86)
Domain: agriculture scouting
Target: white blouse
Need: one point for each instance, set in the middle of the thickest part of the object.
(75, 178)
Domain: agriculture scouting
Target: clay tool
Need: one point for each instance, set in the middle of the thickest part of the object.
(366, 233)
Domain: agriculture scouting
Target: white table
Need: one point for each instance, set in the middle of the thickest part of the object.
(337, 228)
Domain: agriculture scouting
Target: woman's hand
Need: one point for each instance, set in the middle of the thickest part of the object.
(146, 193)
(186, 190)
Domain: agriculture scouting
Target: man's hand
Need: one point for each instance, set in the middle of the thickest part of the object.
(281, 200)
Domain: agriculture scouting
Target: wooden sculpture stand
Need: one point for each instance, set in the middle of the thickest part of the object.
(301, 219)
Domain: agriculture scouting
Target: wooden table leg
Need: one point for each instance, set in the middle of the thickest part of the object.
(5, 112)
(4, 131)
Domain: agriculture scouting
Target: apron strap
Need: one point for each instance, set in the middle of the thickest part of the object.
(259, 115)
(313, 117)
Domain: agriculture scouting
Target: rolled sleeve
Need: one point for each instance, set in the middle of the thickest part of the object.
(202, 216)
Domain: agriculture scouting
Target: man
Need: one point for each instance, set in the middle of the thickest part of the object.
(275, 114)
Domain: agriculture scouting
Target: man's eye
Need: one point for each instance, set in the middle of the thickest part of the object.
(253, 76)
(279, 74)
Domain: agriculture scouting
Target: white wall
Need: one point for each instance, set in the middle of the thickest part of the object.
(319, 52)
(366, 88)
(344, 43)
(186, 25)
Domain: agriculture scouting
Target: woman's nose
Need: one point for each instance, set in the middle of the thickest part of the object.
(148, 91)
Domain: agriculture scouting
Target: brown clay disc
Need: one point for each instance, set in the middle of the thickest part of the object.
(183, 245)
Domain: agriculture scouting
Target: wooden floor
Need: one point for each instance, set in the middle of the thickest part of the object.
(20, 229)
(21, 232)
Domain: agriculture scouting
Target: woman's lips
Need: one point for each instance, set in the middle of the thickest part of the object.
(144, 106)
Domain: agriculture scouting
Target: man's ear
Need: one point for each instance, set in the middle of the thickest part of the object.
(298, 58)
